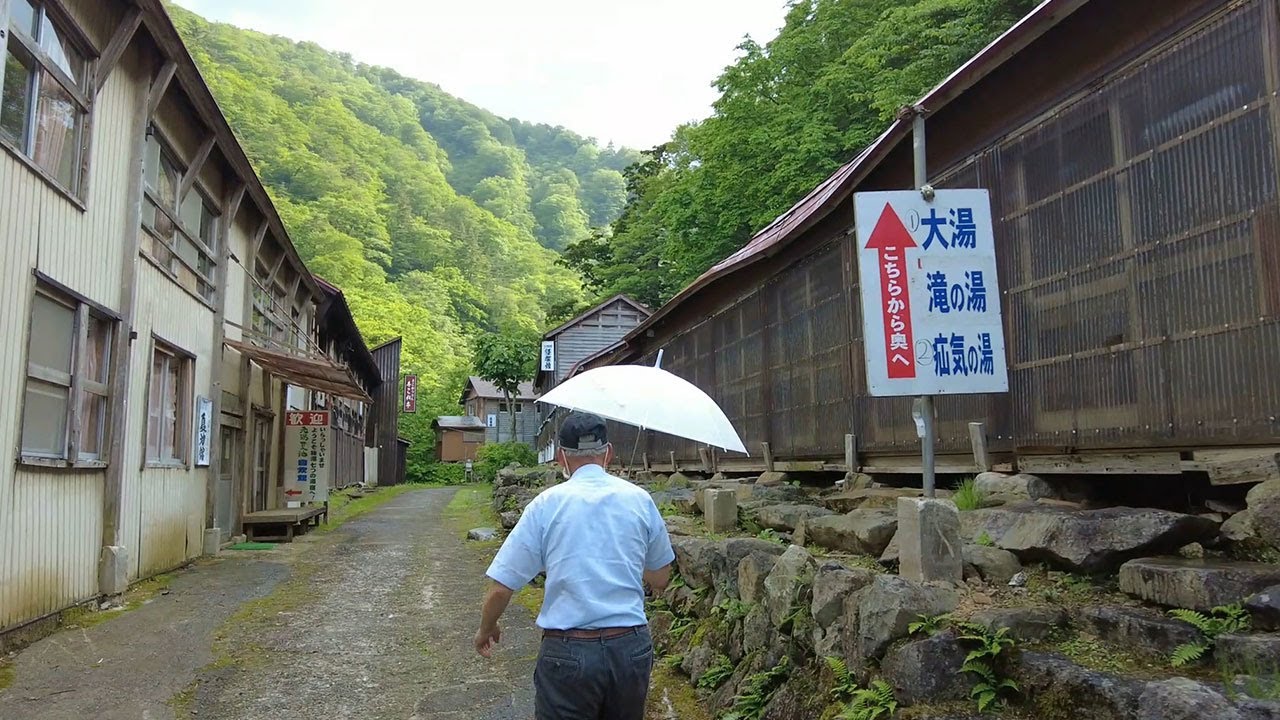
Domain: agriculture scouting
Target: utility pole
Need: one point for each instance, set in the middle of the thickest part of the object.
(924, 405)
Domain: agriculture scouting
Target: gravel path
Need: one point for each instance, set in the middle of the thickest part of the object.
(372, 621)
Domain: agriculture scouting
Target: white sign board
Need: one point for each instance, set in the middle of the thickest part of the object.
(491, 421)
(930, 298)
(548, 355)
(306, 456)
(204, 430)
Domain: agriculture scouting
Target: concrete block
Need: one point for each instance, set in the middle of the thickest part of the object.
(929, 541)
(212, 541)
(113, 570)
(720, 508)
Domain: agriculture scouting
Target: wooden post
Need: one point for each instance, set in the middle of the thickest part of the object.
(768, 456)
(978, 439)
(674, 467)
(644, 458)
(851, 452)
(705, 456)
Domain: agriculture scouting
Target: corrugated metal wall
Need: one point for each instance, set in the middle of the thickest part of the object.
(386, 412)
(1138, 235)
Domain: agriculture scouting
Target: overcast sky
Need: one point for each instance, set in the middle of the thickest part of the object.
(621, 70)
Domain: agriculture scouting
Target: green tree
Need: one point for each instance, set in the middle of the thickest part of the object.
(506, 360)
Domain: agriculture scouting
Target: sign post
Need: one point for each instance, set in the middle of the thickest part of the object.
(410, 393)
(306, 448)
(930, 297)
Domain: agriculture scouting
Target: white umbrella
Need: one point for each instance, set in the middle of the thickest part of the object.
(650, 398)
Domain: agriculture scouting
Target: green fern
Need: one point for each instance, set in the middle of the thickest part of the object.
(1222, 620)
(845, 685)
(872, 703)
(721, 669)
(982, 662)
(730, 610)
(759, 690)
(1187, 654)
(927, 625)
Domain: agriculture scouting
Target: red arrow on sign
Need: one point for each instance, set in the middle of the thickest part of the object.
(292, 492)
(892, 239)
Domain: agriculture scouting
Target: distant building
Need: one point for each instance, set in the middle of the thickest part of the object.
(458, 437)
(565, 347)
(483, 400)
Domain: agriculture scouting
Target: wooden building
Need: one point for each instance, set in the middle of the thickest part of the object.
(1131, 153)
(387, 448)
(150, 289)
(344, 346)
(482, 399)
(458, 437)
(574, 341)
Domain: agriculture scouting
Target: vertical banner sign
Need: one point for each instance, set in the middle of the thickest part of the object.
(204, 428)
(548, 355)
(411, 393)
(930, 297)
(491, 421)
(306, 456)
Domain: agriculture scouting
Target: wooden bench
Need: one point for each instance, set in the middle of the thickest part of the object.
(283, 524)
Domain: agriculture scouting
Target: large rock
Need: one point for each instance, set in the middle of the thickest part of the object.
(866, 532)
(786, 516)
(513, 497)
(890, 605)
(1264, 507)
(870, 498)
(1249, 654)
(682, 525)
(1239, 528)
(1059, 688)
(534, 477)
(756, 629)
(509, 519)
(710, 564)
(1084, 540)
(928, 670)
(1264, 608)
(681, 499)
(752, 571)
(1184, 699)
(779, 493)
(772, 479)
(720, 510)
(1195, 584)
(697, 660)
(784, 588)
(831, 585)
(482, 534)
(1028, 624)
(1135, 628)
(994, 565)
(999, 488)
(928, 536)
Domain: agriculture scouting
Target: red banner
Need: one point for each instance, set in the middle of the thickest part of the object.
(892, 239)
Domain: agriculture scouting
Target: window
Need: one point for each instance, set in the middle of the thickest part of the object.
(267, 306)
(181, 236)
(503, 407)
(168, 407)
(68, 370)
(44, 103)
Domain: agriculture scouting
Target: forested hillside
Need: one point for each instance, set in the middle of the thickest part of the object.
(790, 112)
(435, 217)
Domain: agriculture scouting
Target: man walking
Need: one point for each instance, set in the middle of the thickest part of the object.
(600, 540)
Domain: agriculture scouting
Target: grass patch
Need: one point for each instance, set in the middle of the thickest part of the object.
(1094, 654)
(343, 507)
(87, 616)
(470, 508)
(530, 598)
(967, 496)
(672, 698)
(7, 673)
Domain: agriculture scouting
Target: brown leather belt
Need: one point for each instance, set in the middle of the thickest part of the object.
(598, 634)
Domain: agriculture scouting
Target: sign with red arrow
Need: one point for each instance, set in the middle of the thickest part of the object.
(307, 439)
(930, 297)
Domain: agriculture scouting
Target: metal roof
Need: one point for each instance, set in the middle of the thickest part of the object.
(487, 390)
(459, 422)
(595, 309)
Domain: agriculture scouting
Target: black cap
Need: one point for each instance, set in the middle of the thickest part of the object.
(583, 431)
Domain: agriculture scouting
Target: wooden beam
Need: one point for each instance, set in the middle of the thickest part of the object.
(119, 42)
(254, 248)
(674, 466)
(231, 207)
(197, 165)
(271, 278)
(851, 452)
(768, 456)
(1138, 463)
(159, 87)
(1235, 467)
(978, 439)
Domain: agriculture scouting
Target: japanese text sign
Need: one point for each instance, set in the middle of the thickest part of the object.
(204, 426)
(411, 393)
(930, 297)
(548, 355)
(306, 448)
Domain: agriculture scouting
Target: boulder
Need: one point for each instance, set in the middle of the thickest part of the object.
(928, 670)
(513, 497)
(1195, 584)
(677, 480)
(1084, 540)
(1184, 699)
(1027, 624)
(833, 583)
(1239, 528)
(795, 700)
(1135, 628)
(1059, 688)
(885, 498)
(530, 477)
(1249, 654)
(682, 525)
(856, 481)
(752, 571)
(890, 605)
(1264, 506)
(867, 532)
(786, 516)
(786, 583)
(999, 488)
(509, 519)
(756, 630)
(681, 499)
(1264, 608)
(779, 493)
(482, 534)
(711, 564)
(772, 479)
(1194, 551)
(697, 660)
(892, 552)
(994, 565)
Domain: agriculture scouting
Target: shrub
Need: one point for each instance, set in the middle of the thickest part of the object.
(967, 496)
(442, 474)
(492, 457)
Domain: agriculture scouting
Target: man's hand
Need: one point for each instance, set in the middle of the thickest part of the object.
(486, 638)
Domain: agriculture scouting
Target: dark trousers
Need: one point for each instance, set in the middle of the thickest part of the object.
(594, 679)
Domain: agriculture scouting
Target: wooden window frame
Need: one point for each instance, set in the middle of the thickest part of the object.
(182, 427)
(76, 382)
(207, 249)
(81, 93)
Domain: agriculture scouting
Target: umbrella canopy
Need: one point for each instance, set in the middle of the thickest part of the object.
(650, 398)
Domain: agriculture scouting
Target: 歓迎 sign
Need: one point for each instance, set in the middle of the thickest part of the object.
(548, 355)
(306, 448)
(930, 298)
(410, 393)
(204, 427)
